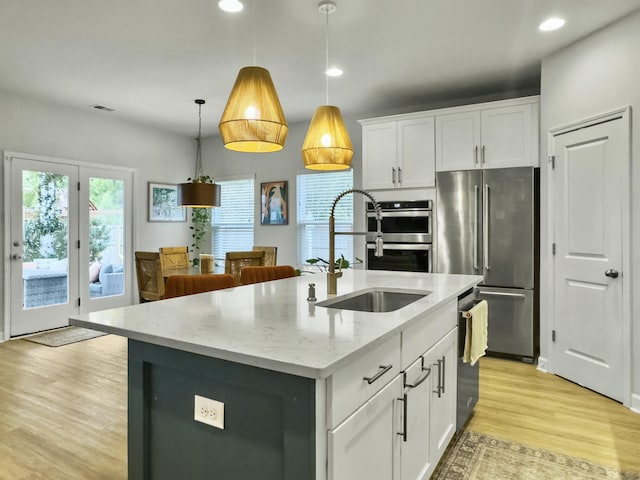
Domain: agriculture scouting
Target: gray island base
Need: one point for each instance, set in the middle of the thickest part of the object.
(305, 391)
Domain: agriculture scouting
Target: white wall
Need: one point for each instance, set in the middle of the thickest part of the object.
(33, 127)
(282, 165)
(595, 75)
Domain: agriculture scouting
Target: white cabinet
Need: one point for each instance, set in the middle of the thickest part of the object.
(366, 445)
(388, 424)
(416, 460)
(442, 421)
(493, 135)
(398, 153)
(430, 409)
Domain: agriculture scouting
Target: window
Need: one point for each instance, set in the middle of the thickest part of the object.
(232, 228)
(315, 195)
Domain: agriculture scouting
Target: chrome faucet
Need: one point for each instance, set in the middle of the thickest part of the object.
(332, 275)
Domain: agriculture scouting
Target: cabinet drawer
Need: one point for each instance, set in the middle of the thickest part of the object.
(348, 389)
(423, 334)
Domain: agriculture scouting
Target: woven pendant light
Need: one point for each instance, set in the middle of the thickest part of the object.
(253, 120)
(327, 145)
(199, 193)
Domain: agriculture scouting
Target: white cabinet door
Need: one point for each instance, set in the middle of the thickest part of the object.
(457, 141)
(379, 155)
(367, 444)
(415, 459)
(416, 153)
(443, 360)
(507, 137)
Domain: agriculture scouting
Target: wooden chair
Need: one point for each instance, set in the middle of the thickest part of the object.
(234, 261)
(149, 273)
(174, 257)
(180, 285)
(249, 275)
(270, 254)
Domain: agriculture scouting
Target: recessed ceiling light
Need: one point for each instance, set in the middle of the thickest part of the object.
(550, 24)
(231, 6)
(334, 72)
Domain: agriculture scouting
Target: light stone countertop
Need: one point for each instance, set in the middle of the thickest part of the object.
(271, 325)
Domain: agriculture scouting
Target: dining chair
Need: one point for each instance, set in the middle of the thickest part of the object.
(181, 285)
(174, 257)
(234, 261)
(270, 254)
(149, 273)
(249, 275)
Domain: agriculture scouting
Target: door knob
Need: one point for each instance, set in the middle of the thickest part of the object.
(15, 256)
(611, 273)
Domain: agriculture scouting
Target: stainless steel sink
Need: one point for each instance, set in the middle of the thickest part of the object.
(375, 300)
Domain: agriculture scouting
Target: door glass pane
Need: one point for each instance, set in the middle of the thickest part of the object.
(106, 237)
(45, 227)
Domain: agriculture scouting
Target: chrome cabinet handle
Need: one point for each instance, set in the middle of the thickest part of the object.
(502, 294)
(384, 369)
(393, 175)
(485, 226)
(444, 366)
(475, 225)
(420, 380)
(482, 155)
(399, 176)
(611, 273)
(475, 155)
(404, 417)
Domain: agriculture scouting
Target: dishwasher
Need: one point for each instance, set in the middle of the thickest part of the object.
(468, 375)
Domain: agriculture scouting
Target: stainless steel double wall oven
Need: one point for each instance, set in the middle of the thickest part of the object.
(407, 232)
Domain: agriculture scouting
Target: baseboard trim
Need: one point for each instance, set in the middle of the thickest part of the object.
(542, 364)
(635, 403)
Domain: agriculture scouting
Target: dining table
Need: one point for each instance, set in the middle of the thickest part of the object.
(169, 272)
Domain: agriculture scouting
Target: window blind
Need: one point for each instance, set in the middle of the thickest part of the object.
(315, 195)
(233, 221)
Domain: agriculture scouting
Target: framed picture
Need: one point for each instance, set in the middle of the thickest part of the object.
(163, 203)
(274, 197)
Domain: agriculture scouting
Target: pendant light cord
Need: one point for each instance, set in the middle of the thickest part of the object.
(327, 58)
(253, 27)
(198, 147)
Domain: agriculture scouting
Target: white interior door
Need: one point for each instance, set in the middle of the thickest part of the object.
(592, 166)
(70, 232)
(43, 245)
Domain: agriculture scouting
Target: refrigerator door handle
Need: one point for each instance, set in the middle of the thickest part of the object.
(476, 208)
(485, 226)
(502, 294)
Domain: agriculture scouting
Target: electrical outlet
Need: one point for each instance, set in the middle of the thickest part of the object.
(209, 411)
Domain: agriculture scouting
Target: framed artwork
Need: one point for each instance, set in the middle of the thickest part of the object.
(163, 203)
(274, 197)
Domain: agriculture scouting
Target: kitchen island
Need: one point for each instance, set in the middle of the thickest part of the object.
(309, 392)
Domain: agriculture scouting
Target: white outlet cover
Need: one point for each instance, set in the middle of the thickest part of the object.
(209, 411)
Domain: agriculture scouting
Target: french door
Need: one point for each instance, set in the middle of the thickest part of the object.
(70, 232)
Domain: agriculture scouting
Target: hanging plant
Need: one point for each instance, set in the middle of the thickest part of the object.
(200, 224)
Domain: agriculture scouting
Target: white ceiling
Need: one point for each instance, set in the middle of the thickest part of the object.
(149, 59)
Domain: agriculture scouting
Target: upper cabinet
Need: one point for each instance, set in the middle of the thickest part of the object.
(405, 151)
(398, 152)
(490, 135)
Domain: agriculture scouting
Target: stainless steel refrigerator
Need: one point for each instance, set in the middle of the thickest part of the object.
(487, 224)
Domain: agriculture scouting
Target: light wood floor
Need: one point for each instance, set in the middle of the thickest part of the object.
(63, 412)
(521, 404)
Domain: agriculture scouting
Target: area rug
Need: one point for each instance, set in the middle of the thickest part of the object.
(475, 456)
(64, 336)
